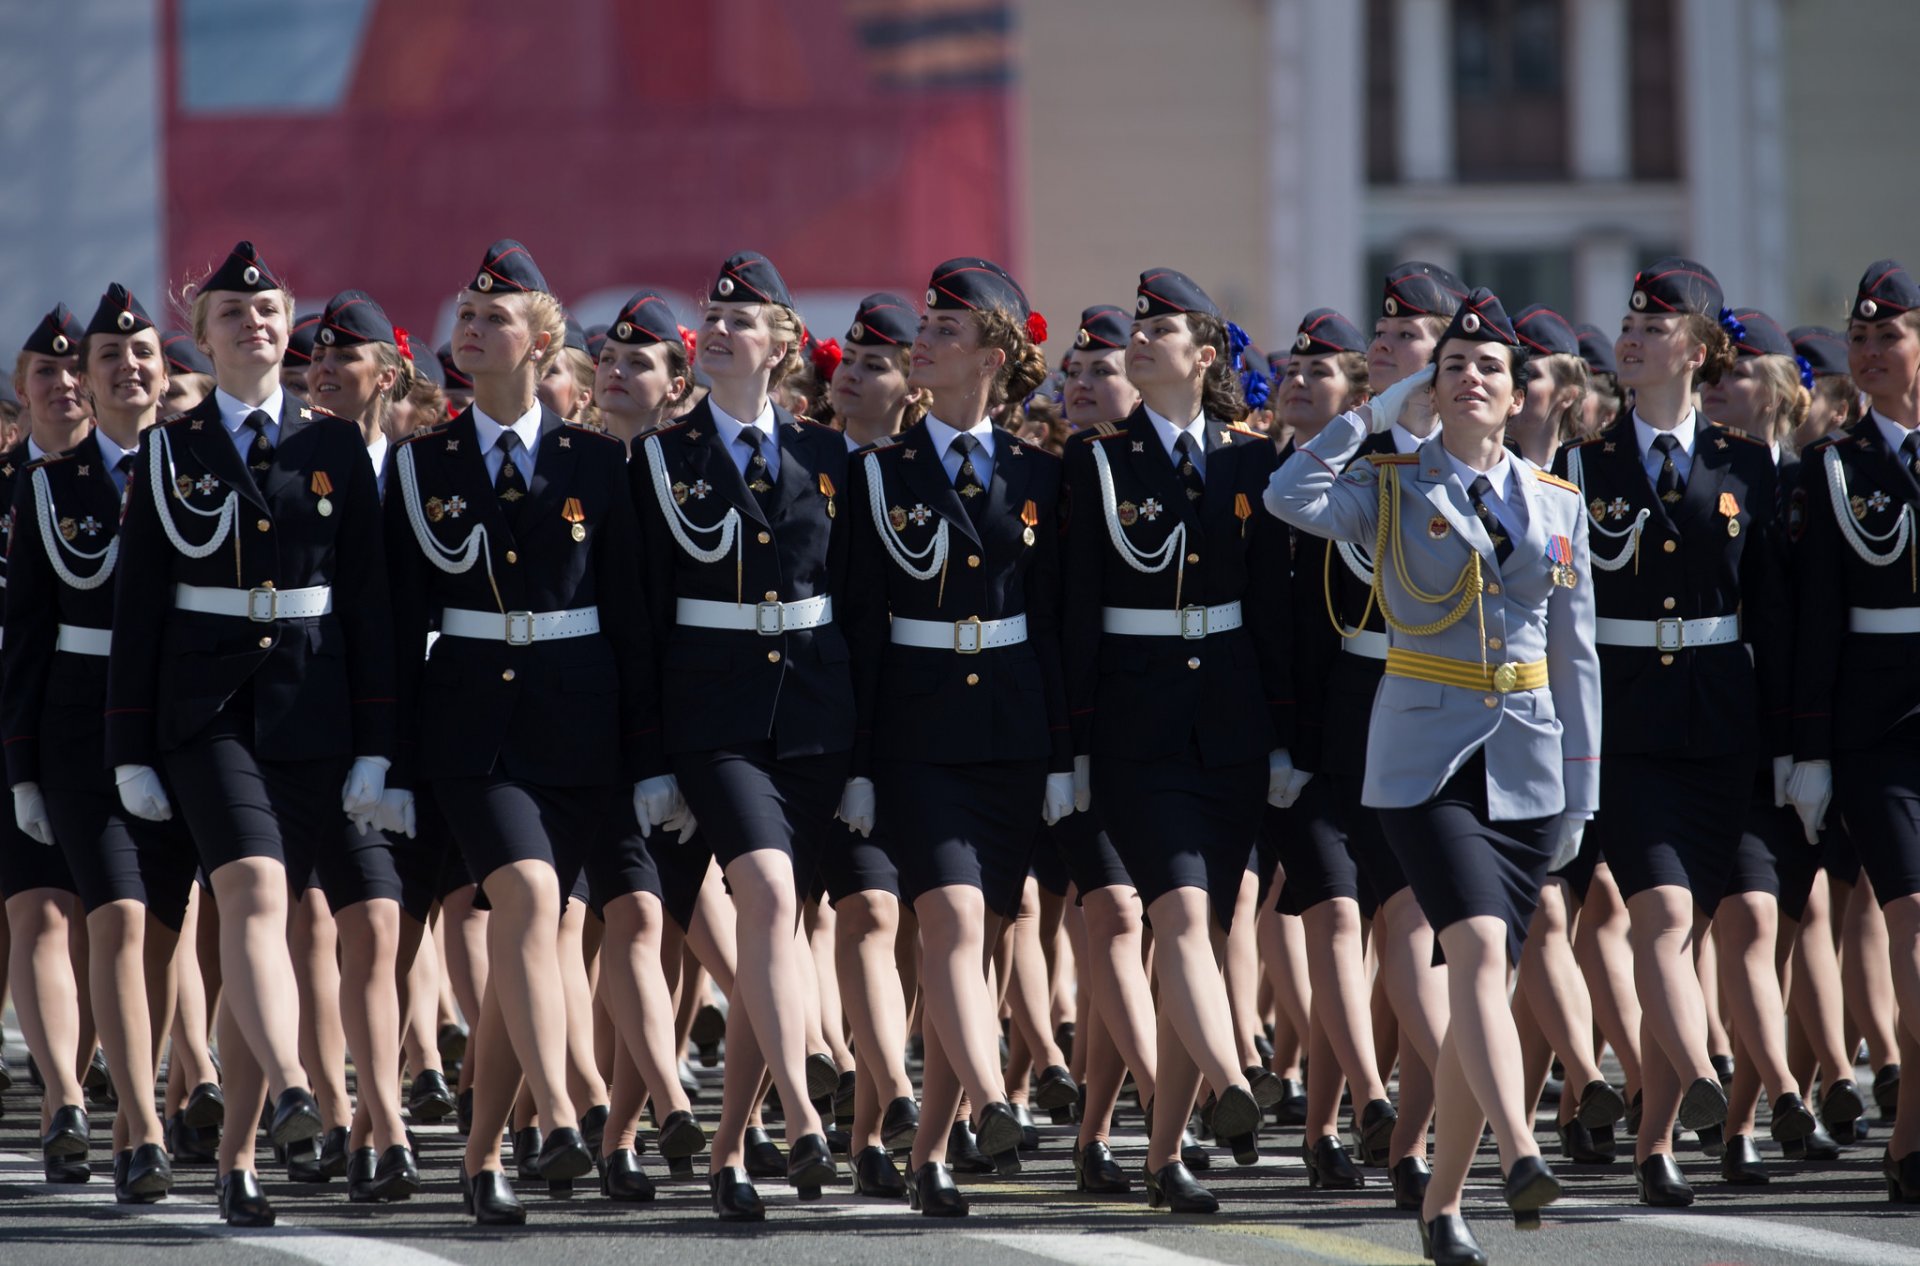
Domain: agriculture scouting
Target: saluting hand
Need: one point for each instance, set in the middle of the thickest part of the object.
(1388, 405)
(141, 793)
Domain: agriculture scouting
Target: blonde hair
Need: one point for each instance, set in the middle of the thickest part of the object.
(785, 324)
(580, 365)
(543, 314)
(1780, 375)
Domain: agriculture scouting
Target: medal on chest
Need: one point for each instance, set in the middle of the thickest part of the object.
(1560, 558)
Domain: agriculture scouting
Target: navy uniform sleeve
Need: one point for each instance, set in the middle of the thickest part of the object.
(26, 657)
(141, 597)
(1080, 610)
(361, 602)
(1820, 578)
(411, 620)
(1270, 593)
(865, 605)
(1043, 629)
(624, 621)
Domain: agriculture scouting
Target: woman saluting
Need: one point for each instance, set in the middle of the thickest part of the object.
(1486, 728)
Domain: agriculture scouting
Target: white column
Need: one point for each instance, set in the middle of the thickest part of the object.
(1423, 74)
(1316, 57)
(1712, 79)
(1598, 76)
(1768, 283)
(1603, 268)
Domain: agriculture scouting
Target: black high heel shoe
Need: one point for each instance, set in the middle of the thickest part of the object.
(563, 1157)
(823, 1075)
(242, 1203)
(810, 1166)
(1291, 1108)
(1373, 1133)
(1094, 1169)
(1903, 1177)
(206, 1107)
(489, 1197)
(1329, 1166)
(1055, 1090)
(1841, 1103)
(1742, 1166)
(142, 1175)
(999, 1138)
(1447, 1241)
(963, 1151)
(900, 1124)
(1705, 1104)
(681, 1136)
(296, 1118)
(1235, 1113)
(1817, 1146)
(1600, 1105)
(875, 1175)
(734, 1198)
(1582, 1146)
(622, 1179)
(430, 1098)
(1792, 1122)
(1410, 1176)
(1176, 1187)
(1530, 1187)
(68, 1135)
(933, 1193)
(764, 1158)
(1658, 1182)
(526, 1152)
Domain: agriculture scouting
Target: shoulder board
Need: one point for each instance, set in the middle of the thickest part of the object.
(669, 429)
(1248, 431)
(1733, 433)
(1101, 430)
(421, 433)
(884, 445)
(1592, 439)
(1394, 459)
(173, 418)
(316, 411)
(51, 459)
(817, 426)
(1555, 480)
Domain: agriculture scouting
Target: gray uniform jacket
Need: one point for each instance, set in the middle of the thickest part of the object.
(1542, 746)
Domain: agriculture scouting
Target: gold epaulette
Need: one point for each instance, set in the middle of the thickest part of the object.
(1394, 459)
(1556, 481)
(1101, 431)
(1736, 433)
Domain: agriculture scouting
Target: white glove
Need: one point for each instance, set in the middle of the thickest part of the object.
(856, 807)
(1566, 842)
(141, 793)
(1059, 801)
(1082, 783)
(1782, 770)
(656, 801)
(361, 796)
(1387, 406)
(395, 813)
(1284, 782)
(1810, 791)
(30, 811)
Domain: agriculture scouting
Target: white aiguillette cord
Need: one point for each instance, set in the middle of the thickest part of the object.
(1172, 550)
(57, 546)
(1576, 475)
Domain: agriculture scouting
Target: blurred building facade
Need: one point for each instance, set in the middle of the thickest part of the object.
(1287, 151)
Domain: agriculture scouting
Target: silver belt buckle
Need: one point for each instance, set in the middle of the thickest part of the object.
(1193, 623)
(967, 636)
(1669, 634)
(263, 604)
(769, 619)
(519, 628)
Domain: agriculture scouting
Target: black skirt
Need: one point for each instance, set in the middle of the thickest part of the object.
(1087, 851)
(851, 863)
(1177, 823)
(1668, 821)
(1047, 866)
(1310, 842)
(238, 806)
(1376, 869)
(497, 821)
(1774, 856)
(1460, 865)
(622, 862)
(1877, 791)
(969, 824)
(114, 856)
(746, 799)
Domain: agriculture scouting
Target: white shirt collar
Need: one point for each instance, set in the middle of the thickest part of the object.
(526, 426)
(1405, 441)
(1501, 476)
(1170, 433)
(943, 434)
(730, 426)
(110, 452)
(34, 452)
(377, 451)
(1644, 435)
(1892, 432)
(235, 411)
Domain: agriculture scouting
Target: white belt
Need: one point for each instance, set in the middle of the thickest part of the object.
(963, 637)
(769, 619)
(520, 628)
(1669, 634)
(1883, 619)
(78, 639)
(262, 606)
(1366, 643)
(1191, 623)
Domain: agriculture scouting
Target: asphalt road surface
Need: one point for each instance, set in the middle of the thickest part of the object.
(1834, 1212)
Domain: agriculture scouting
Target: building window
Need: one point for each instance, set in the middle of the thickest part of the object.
(1655, 109)
(1510, 99)
(1522, 277)
(1383, 96)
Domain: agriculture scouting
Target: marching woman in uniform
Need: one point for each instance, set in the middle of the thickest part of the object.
(511, 533)
(953, 607)
(1856, 736)
(1482, 757)
(133, 876)
(644, 370)
(874, 404)
(1176, 637)
(744, 548)
(251, 665)
(1682, 578)
(35, 880)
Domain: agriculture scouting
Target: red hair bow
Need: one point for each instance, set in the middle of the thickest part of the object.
(401, 341)
(1037, 328)
(687, 340)
(827, 357)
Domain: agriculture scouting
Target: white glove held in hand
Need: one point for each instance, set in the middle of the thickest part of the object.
(1810, 791)
(395, 813)
(1284, 782)
(1082, 783)
(30, 811)
(360, 798)
(1387, 406)
(656, 802)
(1566, 842)
(856, 806)
(1782, 770)
(1059, 801)
(141, 793)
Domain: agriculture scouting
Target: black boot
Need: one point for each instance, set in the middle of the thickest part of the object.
(1410, 1176)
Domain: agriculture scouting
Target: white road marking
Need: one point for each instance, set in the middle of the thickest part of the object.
(1092, 1250)
(1784, 1237)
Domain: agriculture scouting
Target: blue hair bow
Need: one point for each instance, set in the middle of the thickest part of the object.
(1806, 372)
(1732, 325)
(1255, 385)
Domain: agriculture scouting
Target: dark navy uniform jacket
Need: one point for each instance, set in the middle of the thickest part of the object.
(921, 704)
(1146, 698)
(322, 687)
(724, 688)
(557, 712)
(1851, 688)
(52, 705)
(1709, 554)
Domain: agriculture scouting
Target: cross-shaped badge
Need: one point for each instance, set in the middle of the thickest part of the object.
(700, 489)
(1879, 501)
(205, 485)
(919, 516)
(1618, 507)
(456, 506)
(1150, 510)
(90, 525)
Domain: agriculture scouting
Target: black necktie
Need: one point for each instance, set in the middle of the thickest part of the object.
(1669, 486)
(260, 452)
(1482, 489)
(509, 485)
(1910, 452)
(759, 475)
(1187, 465)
